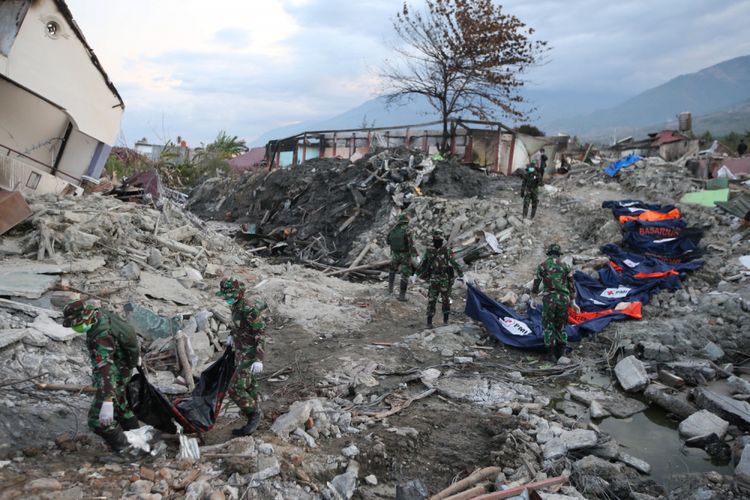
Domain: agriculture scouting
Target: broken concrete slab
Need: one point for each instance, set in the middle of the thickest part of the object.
(640, 465)
(10, 337)
(693, 371)
(29, 309)
(297, 415)
(702, 423)
(569, 440)
(48, 327)
(677, 405)
(130, 271)
(712, 351)
(160, 287)
(631, 373)
(483, 392)
(736, 412)
(742, 471)
(25, 284)
(619, 406)
(738, 385)
(654, 351)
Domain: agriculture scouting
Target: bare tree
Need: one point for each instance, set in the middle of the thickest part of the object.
(464, 56)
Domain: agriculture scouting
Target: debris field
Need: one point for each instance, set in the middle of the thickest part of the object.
(359, 399)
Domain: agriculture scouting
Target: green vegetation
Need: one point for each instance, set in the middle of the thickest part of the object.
(730, 140)
(178, 167)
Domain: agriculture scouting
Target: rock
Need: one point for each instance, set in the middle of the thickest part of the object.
(569, 440)
(736, 412)
(131, 271)
(654, 351)
(60, 298)
(198, 490)
(712, 351)
(217, 495)
(48, 327)
(463, 360)
(346, 484)
(371, 480)
(35, 338)
(608, 451)
(742, 471)
(297, 415)
(703, 423)
(350, 451)
(631, 374)
(634, 462)
(309, 440)
(9, 337)
(147, 474)
(154, 258)
(141, 486)
(737, 384)
(595, 466)
(564, 360)
(43, 484)
(597, 410)
(619, 406)
(429, 375)
(693, 371)
(267, 467)
(414, 490)
(670, 379)
(201, 345)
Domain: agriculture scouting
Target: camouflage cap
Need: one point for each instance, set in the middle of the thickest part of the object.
(230, 288)
(78, 312)
(554, 249)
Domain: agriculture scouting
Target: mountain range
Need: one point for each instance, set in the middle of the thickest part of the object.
(718, 98)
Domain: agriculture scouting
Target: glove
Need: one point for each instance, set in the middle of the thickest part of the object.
(230, 341)
(256, 368)
(107, 413)
(575, 307)
(140, 362)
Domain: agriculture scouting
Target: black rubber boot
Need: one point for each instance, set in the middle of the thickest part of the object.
(402, 290)
(429, 322)
(391, 281)
(525, 208)
(116, 440)
(558, 350)
(130, 424)
(251, 425)
(446, 315)
(533, 210)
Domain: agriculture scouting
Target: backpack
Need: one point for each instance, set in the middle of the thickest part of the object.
(397, 238)
(126, 338)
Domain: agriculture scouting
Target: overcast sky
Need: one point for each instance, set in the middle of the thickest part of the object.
(192, 68)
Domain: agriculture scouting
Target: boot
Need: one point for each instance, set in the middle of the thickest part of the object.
(251, 426)
(429, 321)
(391, 281)
(446, 315)
(116, 440)
(525, 209)
(130, 424)
(533, 210)
(402, 290)
(558, 351)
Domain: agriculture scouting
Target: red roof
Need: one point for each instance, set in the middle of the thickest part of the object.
(248, 160)
(667, 136)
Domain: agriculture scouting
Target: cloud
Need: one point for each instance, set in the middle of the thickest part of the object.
(192, 68)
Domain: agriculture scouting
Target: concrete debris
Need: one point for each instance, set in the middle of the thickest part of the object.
(631, 374)
(703, 423)
(732, 410)
(296, 417)
(567, 441)
(414, 490)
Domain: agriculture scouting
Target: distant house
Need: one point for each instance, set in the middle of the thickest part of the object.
(248, 161)
(487, 144)
(60, 113)
(179, 153)
(670, 145)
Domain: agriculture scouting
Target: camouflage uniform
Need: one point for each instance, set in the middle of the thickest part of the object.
(559, 289)
(111, 371)
(248, 331)
(439, 266)
(401, 260)
(529, 188)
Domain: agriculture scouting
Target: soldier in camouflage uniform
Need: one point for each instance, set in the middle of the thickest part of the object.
(439, 267)
(560, 292)
(114, 351)
(529, 189)
(402, 253)
(248, 332)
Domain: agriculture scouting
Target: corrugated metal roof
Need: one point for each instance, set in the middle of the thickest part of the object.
(668, 136)
(248, 160)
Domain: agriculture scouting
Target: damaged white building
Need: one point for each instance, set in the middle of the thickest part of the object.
(59, 112)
